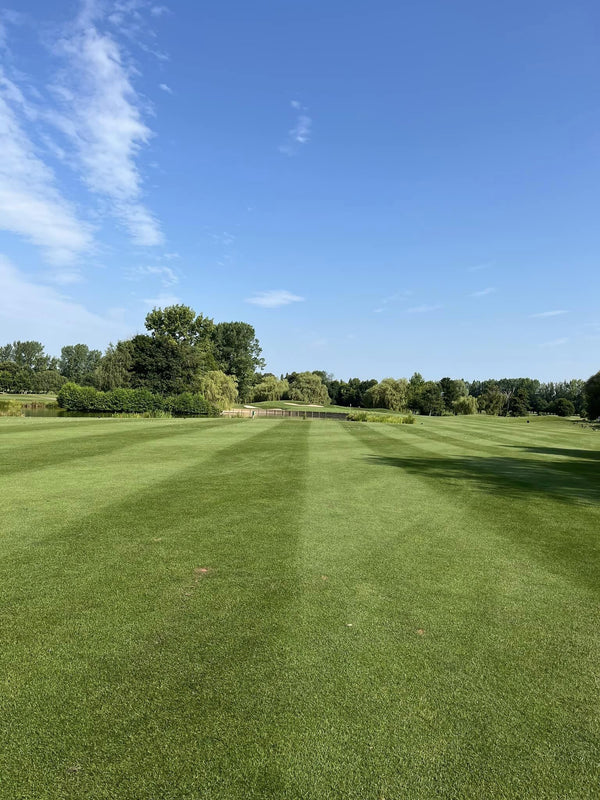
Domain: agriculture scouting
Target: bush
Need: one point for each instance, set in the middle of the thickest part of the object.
(563, 407)
(393, 419)
(132, 401)
(11, 408)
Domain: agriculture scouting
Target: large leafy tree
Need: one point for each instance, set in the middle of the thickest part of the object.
(269, 388)
(181, 324)
(306, 387)
(29, 354)
(238, 353)
(163, 365)
(219, 389)
(592, 396)
(78, 363)
(114, 369)
(388, 393)
(452, 390)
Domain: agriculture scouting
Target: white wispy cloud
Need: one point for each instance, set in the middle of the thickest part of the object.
(158, 11)
(30, 310)
(274, 298)
(483, 292)
(31, 204)
(101, 115)
(162, 300)
(548, 314)
(555, 342)
(165, 88)
(422, 309)
(166, 275)
(300, 134)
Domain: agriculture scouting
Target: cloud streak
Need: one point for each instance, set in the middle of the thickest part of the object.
(274, 298)
(31, 205)
(483, 292)
(544, 314)
(300, 134)
(101, 116)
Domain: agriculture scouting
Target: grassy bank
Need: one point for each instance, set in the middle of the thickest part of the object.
(292, 609)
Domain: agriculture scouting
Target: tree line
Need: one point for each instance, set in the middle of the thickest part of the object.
(186, 352)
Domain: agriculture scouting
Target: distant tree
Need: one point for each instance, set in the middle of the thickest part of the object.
(563, 407)
(113, 371)
(28, 354)
(238, 353)
(415, 386)
(451, 391)
(518, 404)
(180, 323)
(492, 401)
(306, 387)
(8, 376)
(430, 399)
(164, 365)
(388, 393)
(465, 405)
(78, 363)
(592, 396)
(269, 388)
(219, 389)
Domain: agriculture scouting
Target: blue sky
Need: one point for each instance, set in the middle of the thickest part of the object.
(378, 188)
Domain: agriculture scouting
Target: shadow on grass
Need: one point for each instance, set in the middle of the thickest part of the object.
(572, 480)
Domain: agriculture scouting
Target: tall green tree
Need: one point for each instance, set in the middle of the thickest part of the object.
(181, 324)
(219, 389)
(164, 365)
(269, 388)
(306, 387)
(78, 363)
(238, 353)
(592, 396)
(452, 390)
(114, 369)
(388, 393)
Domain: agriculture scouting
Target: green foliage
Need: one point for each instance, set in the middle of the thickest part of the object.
(592, 396)
(238, 353)
(11, 408)
(306, 387)
(452, 390)
(113, 371)
(563, 407)
(164, 365)
(132, 401)
(389, 393)
(269, 388)
(219, 389)
(465, 405)
(393, 419)
(180, 324)
(78, 362)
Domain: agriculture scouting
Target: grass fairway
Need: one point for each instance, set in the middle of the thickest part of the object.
(287, 609)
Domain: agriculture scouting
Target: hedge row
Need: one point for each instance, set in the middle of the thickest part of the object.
(366, 416)
(132, 401)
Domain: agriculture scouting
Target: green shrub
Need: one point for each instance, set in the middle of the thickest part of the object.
(11, 408)
(392, 419)
(133, 401)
